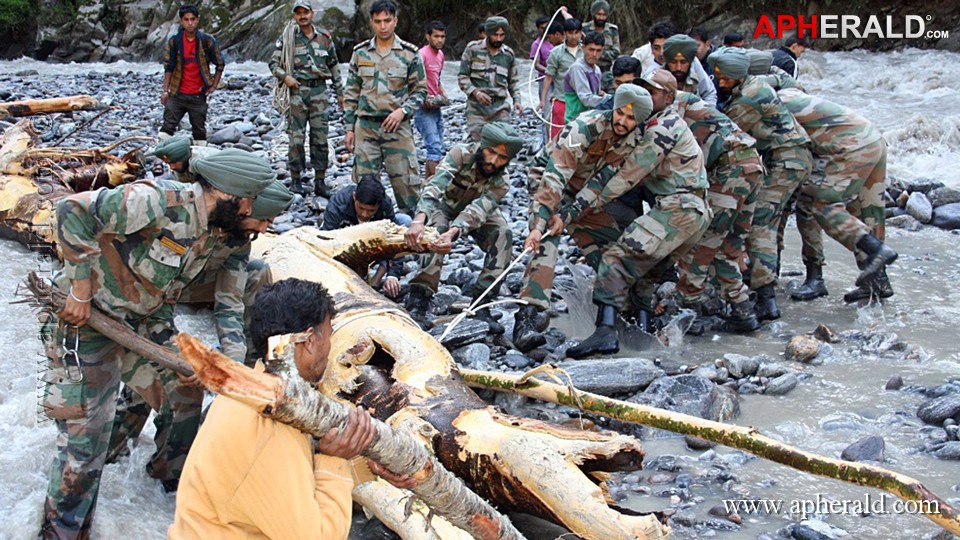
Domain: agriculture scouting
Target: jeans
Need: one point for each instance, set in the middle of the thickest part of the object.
(429, 122)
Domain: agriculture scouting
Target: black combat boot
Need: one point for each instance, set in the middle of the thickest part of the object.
(486, 316)
(526, 336)
(295, 185)
(766, 307)
(813, 286)
(320, 188)
(418, 304)
(879, 255)
(879, 287)
(742, 319)
(604, 338)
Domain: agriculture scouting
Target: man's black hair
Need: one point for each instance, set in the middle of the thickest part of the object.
(188, 8)
(285, 307)
(543, 19)
(794, 40)
(572, 24)
(732, 37)
(381, 6)
(482, 29)
(625, 64)
(661, 30)
(699, 33)
(369, 190)
(555, 28)
(593, 38)
(435, 25)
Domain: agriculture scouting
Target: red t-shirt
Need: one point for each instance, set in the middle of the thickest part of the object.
(191, 83)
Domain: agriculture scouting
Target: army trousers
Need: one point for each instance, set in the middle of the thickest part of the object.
(479, 115)
(308, 107)
(86, 369)
(671, 228)
(375, 148)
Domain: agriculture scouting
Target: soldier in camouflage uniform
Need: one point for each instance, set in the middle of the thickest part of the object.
(599, 11)
(488, 74)
(176, 153)
(847, 201)
(386, 85)
(680, 57)
(757, 109)
(463, 197)
(668, 161)
(734, 172)
(310, 62)
(129, 252)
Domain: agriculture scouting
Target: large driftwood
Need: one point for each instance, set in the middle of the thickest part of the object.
(28, 107)
(747, 439)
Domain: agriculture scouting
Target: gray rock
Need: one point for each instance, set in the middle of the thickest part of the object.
(943, 195)
(517, 360)
(950, 450)
(740, 366)
(947, 216)
(895, 383)
(918, 206)
(467, 331)
(460, 277)
(803, 348)
(696, 443)
(782, 384)
(905, 222)
(612, 376)
(935, 411)
(689, 394)
(771, 370)
(869, 448)
(923, 185)
(473, 355)
(229, 134)
(812, 529)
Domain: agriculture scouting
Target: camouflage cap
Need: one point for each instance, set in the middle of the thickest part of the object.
(636, 99)
(731, 62)
(272, 201)
(598, 5)
(493, 23)
(681, 44)
(302, 4)
(175, 149)
(661, 79)
(501, 133)
(235, 172)
(760, 61)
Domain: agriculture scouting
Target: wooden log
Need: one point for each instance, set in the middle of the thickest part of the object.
(28, 107)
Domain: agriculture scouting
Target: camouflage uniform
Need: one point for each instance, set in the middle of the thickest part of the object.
(735, 170)
(314, 63)
(757, 109)
(456, 196)
(140, 245)
(669, 162)
(587, 147)
(377, 85)
(847, 201)
(493, 74)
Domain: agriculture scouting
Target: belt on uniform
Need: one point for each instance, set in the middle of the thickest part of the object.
(377, 118)
(698, 192)
(313, 83)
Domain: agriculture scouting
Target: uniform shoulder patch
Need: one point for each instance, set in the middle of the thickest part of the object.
(506, 48)
(406, 45)
(612, 26)
(280, 42)
(361, 45)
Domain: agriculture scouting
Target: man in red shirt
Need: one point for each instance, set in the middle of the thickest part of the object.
(187, 79)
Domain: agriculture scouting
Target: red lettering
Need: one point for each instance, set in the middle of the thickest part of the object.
(764, 28)
(784, 23)
(812, 27)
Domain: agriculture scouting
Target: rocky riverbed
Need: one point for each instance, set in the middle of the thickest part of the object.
(875, 383)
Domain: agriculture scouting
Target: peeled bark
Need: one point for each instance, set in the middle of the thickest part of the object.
(50, 105)
(746, 439)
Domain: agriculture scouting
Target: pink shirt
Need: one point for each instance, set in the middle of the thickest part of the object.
(433, 65)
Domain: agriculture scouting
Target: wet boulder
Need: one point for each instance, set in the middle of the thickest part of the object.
(229, 134)
(740, 366)
(905, 222)
(782, 384)
(803, 348)
(943, 195)
(922, 185)
(612, 376)
(869, 448)
(688, 394)
(947, 216)
(467, 331)
(949, 450)
(919, 207)
(935, 411)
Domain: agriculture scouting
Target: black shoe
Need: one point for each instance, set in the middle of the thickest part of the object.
(766, 307)
(742, 319)
(603, 340)
(170, 486)
(486, 316)
(320, 188)
(879, 255)
(296, 185)
(526, 336)
(879, 287)
(813, 287)
(418, 304)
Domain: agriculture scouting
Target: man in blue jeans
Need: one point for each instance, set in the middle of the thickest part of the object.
(428, 119)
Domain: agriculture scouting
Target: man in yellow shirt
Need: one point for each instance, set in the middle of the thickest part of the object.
(252, 477)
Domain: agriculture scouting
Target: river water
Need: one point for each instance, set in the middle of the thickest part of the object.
(913, 96)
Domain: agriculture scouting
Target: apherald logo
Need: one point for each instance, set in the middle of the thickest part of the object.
(846, 27)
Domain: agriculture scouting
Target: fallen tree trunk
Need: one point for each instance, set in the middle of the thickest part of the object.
(746, 439)
(28, 107)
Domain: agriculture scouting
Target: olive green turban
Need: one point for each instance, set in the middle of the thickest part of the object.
(496, 22)
(679, 44)
(598, 5)
(636, 98)
(760, 61)
(176, 149)
(497, 133)
(731, 62)
(235, 172)
(272, 201)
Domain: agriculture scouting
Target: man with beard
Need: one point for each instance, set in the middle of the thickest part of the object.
(600, 11)
(595, 144)
(488, 74)
(680, 55)
(130, 251)
(176, 153)
(464, 198)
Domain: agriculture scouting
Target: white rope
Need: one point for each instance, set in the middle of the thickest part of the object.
(536, 58)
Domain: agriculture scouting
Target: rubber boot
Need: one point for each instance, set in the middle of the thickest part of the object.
(604, 338)
(418, 304)
(295, 185)
(320, 188)
(813, 287)
(486, 316)
(431, 168)
(766, 307)
(879, 287)
(879, 255)
(742, 318)
(526, 336)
